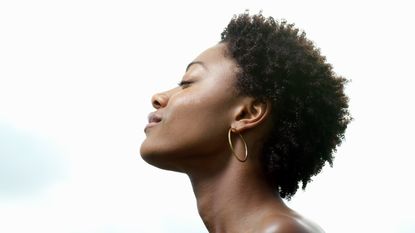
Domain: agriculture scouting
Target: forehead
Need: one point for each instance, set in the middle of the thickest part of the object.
(215, 59)
(216, 55)
(215, 51)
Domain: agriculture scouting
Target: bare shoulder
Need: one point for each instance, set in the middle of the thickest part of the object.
(288, 224)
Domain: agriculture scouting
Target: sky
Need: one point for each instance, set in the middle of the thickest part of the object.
(76, 78)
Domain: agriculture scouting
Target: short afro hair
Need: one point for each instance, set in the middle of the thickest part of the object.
(310, 114)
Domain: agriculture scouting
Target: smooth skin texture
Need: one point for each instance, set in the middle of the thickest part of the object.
(188, 133)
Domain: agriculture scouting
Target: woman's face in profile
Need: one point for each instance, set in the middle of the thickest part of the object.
(191, 121)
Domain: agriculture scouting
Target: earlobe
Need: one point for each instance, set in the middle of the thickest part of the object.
(251, 113)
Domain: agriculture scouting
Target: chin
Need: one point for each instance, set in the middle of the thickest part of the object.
(157, 159)
(148, 154)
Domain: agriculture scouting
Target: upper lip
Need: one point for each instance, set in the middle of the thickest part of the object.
(153, 117)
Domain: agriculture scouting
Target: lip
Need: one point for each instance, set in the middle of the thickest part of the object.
(153, 119)
(149, 125)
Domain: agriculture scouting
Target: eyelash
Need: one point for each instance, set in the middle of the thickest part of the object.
(184, 83)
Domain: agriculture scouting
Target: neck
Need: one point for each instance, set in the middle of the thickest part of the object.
(237, 192)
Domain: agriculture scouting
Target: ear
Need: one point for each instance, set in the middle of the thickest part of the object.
(250, 113)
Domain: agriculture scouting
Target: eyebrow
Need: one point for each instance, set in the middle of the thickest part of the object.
(195, 62)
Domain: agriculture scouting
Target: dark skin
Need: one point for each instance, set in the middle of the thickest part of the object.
(188, 133)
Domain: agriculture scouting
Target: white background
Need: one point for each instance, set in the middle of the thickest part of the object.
(76, 79)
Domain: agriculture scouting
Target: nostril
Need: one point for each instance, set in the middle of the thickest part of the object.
(156, 104)
(159, 100)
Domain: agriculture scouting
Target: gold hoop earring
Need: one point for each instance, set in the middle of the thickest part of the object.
(233, 152)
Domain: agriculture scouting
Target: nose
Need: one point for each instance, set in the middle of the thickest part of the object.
(159, 100)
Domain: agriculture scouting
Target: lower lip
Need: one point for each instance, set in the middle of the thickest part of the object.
(149, 125)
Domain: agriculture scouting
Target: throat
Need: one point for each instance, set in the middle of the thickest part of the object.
(225, 198)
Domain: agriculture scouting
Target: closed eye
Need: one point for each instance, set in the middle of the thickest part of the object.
(184, 84)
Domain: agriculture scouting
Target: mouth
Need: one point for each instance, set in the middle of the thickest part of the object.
(153, 120)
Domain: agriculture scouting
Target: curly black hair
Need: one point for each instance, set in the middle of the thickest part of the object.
(310, 114)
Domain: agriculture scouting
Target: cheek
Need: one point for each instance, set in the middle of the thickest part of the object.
(202, 110)
(194, 121)
(190, 125)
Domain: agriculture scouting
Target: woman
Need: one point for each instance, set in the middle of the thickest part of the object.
(252, 117)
